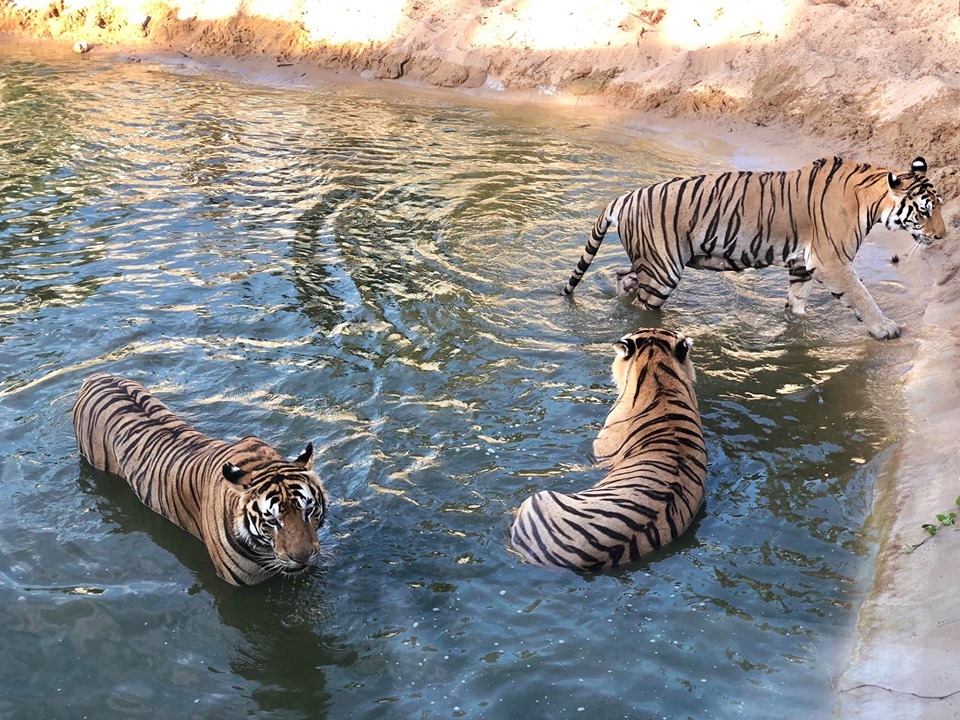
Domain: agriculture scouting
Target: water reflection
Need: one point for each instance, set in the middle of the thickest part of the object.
(275, 633)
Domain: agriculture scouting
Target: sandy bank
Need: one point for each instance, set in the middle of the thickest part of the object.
(874, 81)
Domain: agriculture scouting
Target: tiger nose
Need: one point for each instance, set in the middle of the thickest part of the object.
(305, 554)
(939, 229)
(300, 557)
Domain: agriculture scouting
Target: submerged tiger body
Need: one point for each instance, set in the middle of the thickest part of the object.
(652, 444)
(811, 220)
(257, 513)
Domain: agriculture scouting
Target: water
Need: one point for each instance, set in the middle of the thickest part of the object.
(378, 273)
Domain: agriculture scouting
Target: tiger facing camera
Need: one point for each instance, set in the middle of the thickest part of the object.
(256, 512)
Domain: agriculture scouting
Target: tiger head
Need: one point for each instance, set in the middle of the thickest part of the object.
(282, 506)
(650, 366)
(914, 204)
(640, 351)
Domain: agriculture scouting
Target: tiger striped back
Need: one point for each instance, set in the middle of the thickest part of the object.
(652, 443)
(811, 220)
(256, 512)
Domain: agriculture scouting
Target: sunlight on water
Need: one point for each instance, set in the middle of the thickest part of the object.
(379, 274)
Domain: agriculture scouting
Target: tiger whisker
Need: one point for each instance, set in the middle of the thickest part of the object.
(916, 251)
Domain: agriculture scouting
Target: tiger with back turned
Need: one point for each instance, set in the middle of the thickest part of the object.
(257, 513)
(652, 444)
(812, 221)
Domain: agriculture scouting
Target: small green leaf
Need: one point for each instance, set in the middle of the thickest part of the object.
(932, 529)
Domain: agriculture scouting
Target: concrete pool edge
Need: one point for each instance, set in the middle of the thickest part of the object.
(903, 657)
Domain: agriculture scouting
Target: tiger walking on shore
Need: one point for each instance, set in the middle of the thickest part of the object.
(811, 220)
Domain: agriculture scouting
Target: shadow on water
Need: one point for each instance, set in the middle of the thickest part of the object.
(280, 647)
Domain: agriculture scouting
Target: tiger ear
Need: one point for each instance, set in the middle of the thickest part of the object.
(683, 349)
(232, 474)
(919, 166)
(624, 347)
(893, 181)
(305, 459)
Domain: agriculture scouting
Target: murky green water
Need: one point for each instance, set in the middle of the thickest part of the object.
(379, 274)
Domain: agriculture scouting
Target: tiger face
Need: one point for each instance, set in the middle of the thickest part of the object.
(915, 205)
(282, 506)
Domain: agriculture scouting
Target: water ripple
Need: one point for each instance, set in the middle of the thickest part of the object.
(379, 274)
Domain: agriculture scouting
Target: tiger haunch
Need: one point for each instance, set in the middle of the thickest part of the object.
(652, 444)
(257, 513)
(811, 220)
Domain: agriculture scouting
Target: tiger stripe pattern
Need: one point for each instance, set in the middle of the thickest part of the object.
(257, 513)
(652, 444)
(811, 220)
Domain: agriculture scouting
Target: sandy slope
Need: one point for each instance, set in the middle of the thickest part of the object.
(873, 80)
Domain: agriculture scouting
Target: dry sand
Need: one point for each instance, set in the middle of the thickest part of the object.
(877, 81)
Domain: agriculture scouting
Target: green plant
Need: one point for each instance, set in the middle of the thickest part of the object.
(943, 520)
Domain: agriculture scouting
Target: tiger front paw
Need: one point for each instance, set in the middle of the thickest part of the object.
(627, 283)
(885, 329)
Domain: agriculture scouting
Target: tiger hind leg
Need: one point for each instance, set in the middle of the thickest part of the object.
(646, 291)
(627, 284)
(801, 281)
(651, 294)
